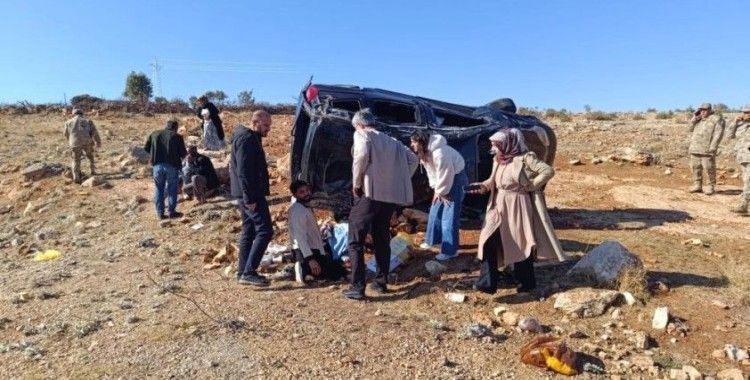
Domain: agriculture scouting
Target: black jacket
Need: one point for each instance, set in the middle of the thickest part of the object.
(213, 113)
(166, 147)
(201, 166)
(248, 170)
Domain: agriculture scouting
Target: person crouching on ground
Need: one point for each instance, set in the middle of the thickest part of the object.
(307, 244)
(509, 236)
(198, 175)
(167, 149)
(381, 180)
(446, 175)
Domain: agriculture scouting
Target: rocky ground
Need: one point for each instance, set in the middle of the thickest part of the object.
(130, 297)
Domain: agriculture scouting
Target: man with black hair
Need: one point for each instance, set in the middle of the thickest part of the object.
(167, 149)
(310, 252)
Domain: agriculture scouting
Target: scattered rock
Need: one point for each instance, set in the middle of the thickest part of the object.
(511, 318)
(455, 297)
(37, 171)
(597, 160)
(575, 162)
(605, 263)
(138, 154)
(642, 340)
(586, 302)
(661, 318)
(730, 374)
(165, 223)
(718, 354)
(435, 268)
(692, 372)
(629, 298)
(578, 335)
(668, 171)
(719, 304)
(133, 319)
(476, 330)
(483, 319)
(531, 325)
(634, 156)
(93, 181)
(643, 362)
(499, 310)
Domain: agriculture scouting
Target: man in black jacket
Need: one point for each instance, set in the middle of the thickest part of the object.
(198, 175)
(249, 181)
(213, 114)
(167, 149)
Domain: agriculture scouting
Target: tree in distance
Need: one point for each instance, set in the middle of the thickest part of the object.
(138, 87)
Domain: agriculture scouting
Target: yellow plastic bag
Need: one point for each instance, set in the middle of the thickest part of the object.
(551, 353)
(47, 255)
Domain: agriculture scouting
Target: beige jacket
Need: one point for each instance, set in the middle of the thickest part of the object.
(706, 134)
(81, 132)
(382, 167)
(741, 130)
(533, 177)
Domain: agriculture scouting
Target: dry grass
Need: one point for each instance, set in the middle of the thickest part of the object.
(634, 280)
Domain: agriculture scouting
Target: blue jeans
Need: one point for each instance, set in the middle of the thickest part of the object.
(444, 220)
(165, 175)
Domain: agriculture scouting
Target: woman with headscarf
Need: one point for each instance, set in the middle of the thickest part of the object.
(513, 233)
(211, 139)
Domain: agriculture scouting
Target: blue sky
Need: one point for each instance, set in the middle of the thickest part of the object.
(612, 55)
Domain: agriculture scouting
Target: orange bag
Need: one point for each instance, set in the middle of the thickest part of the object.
(549, 352)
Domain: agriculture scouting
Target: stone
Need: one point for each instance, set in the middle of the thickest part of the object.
(165, 223)
(575, 162)
(283, 166)
(692, 372)
(617, 313)
(586, 302)
(138, 154)
(37, 171)
(455, 297)
(668, 171)
(643, 362)
(718, 354)
(719, 304)
(642, 340)
(531, 325)
(629, 298)
(511, 318)
(435, 268)
(483, 319)
(93, 181)
(730, 374)
(499, 310)
(476, 330)
(605, 263)
(635, 156)
(660, 319)
(677, 374)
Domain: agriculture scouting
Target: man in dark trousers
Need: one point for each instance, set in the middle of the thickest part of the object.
(381, 181)
(199, 178)
(249, 181)
(167, 150)
(213, 112)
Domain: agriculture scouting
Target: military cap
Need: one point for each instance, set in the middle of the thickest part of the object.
(746, 108)
(705, 106)
(77, 111)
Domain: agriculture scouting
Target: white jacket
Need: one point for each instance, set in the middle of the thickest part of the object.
(303, 230)
(442, 164)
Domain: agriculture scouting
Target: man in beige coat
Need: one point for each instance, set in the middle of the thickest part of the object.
(707, 129)
(82, 137)
(381, 180)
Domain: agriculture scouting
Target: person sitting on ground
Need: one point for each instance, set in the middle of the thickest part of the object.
(309, 250)
(446, 175)
(198, 175)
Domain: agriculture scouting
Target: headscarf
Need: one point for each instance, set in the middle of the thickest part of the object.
(510, 143)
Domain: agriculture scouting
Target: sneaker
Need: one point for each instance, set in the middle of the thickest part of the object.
(695, 189)
(353, 294)
(162, 217)
(253, 279)
(299, 274)
(175, 215)
(483, 289)
(379, 288)
(709, 190)
(424, 245)
(443, 257)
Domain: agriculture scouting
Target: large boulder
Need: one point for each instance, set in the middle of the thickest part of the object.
(283, 166)
(138, 154)
(586, 302)
(605, 263)
(221, 166)
(37, 171)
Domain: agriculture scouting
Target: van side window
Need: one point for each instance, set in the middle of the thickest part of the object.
(394, 113)
(453, 120)
(349, 105)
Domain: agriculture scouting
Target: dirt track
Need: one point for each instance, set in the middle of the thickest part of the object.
(117, 306)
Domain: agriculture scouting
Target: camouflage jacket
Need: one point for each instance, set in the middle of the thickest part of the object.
(741, 130)
(81, 131)
(707, 134)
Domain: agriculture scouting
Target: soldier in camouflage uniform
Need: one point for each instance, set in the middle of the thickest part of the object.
(741, 130)
(707, 130)
(82, 136)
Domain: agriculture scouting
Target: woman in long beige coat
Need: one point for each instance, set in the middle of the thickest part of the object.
(513, 233)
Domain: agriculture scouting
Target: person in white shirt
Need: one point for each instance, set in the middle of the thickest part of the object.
(312, 258)
(446, 176)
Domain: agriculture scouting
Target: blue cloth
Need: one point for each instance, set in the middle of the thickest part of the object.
(443, 222)
(339, 240)
(166, 177)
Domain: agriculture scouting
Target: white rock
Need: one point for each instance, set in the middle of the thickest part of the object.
(677, 374)
(531, 325)
(498, 311)
(455, 297)
(510, 318)
(605, 263)
(661, 318)
(719, 304)
(730, 374)
(692, 373)
(586, 302)
(629, 298)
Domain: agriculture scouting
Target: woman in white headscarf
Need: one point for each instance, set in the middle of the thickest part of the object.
(211, 139)
(513, 233)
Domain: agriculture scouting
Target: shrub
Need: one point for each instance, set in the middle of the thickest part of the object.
(84, 100)
(529, 112)
(138, 87)
(245, 98)
(602, 116)
(160, 100)
(664, 115)
(721, 108)
(561, 115)
(651, 110)
(639, 116)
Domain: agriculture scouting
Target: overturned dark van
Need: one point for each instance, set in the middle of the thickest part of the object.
(322, 135)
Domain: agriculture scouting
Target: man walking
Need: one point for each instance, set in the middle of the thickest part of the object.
(707, 130)
(740, 129)
(82, 137)
(167, 150)
(249, 181)
(381, 180)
